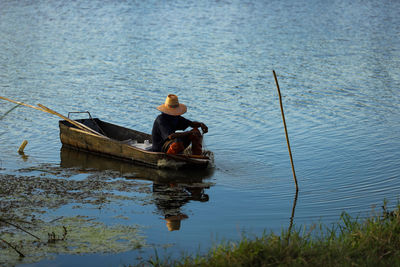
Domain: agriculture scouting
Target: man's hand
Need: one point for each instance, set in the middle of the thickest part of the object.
(194, 131)
(195, 124)
(204, 127)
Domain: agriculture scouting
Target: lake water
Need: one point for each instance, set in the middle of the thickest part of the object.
(338, 65)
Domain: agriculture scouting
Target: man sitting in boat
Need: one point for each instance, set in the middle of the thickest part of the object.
(164, 135)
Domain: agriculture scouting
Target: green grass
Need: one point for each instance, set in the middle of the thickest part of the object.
(374, 241)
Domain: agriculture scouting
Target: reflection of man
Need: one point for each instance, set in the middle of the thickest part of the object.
(169, 199)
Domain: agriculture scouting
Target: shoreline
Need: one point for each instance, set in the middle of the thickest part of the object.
(374, 241)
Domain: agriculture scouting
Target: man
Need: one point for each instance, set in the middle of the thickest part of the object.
(164, 135)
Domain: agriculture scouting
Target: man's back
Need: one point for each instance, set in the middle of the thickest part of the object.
(163, 126)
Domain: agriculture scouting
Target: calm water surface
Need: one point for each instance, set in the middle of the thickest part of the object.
(338, 64)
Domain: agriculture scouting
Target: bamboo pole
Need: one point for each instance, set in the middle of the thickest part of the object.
(47, 110)
(286, 132)
(23, 104)
(77, 124)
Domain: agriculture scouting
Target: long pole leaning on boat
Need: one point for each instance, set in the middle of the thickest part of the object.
(22, 104)
(77, 124)
(47, 110)
(286, 132)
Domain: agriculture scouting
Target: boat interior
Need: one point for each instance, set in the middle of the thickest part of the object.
(112, 131)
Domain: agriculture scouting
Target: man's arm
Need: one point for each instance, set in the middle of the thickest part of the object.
(180, 134)
(193, 124)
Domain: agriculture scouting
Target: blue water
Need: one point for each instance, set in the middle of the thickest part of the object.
(338, 65)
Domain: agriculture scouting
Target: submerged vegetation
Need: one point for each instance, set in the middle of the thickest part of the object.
(374, 241)
(29, 232)
(70, 235)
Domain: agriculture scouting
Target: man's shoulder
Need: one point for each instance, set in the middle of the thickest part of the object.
(164, 118)
(159, 117)
(184, 119)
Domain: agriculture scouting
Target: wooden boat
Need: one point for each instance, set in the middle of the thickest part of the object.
(125, 144)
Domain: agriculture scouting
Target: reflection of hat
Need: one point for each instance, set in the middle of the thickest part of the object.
(174, 222)
(172, 106)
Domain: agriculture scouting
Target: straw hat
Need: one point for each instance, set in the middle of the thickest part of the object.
(174, 222)
(172, 106)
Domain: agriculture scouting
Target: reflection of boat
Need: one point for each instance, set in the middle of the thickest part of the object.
(72, 158)
(122, 143)
(172, 189)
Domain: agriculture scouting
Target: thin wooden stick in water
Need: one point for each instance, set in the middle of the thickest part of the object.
(13, 247)
(5, 114)
(20, 228)
(286, 132)
(292, 216)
